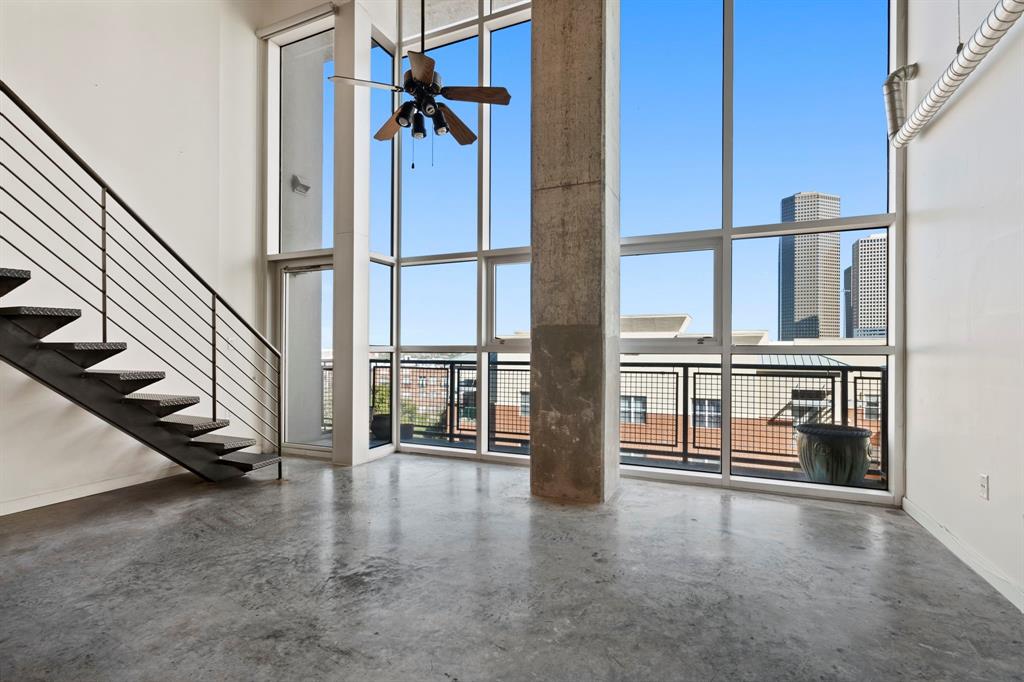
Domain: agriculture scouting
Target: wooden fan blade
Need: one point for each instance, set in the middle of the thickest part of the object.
(459, 130)
(390, 127)
(369, 84)
(477, 94)
(422, 67)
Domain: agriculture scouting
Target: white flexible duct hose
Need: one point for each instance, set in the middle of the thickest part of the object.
(996, 24)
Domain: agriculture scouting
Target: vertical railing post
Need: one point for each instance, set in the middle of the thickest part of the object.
(845, 391)
(686, 412)
(280, 418)
(103, 257)
(213, 356)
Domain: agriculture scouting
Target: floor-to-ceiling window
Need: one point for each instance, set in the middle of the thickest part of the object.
(381, 319)
(756, 230)
(757, 237)
(465, 231)
(305, 224)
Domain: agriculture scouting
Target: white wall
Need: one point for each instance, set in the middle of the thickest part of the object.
(965, 300)
(162, 99)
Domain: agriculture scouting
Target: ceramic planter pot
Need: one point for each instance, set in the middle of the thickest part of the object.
(380, 426)
(834, 453)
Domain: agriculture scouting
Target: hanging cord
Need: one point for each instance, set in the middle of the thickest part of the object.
(413, 153)
(432, 150)
(959, 40)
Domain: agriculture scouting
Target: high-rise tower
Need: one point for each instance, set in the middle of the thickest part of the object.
(869, 282)
(809, 271)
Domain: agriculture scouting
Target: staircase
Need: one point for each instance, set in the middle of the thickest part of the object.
(43, 207)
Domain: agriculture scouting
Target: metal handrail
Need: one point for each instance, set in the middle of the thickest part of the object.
(28, 111)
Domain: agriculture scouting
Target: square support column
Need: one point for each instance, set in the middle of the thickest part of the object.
(574, 376)
(351, 239)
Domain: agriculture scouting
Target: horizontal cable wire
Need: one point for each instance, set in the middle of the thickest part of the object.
(142, 265)
(47, 224)
(50, 159)
(251, 378)
(151, 312)
(43, 268)
(268, 408)
(240, 338)
(51, 252)
(164, 303)
(146, 249)
(59, 190)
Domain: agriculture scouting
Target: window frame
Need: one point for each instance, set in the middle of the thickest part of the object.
(720, 239)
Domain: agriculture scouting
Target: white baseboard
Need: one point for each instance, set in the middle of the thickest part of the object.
(49, 497)
(978, 563)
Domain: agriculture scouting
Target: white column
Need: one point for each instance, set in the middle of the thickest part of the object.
(351, 238)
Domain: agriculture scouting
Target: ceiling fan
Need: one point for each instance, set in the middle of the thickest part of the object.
(424, 85)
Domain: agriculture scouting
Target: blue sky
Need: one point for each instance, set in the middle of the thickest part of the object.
(808, 116)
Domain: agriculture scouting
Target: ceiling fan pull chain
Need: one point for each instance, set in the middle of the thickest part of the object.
(414, 153)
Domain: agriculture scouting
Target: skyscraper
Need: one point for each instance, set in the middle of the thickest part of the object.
(869, 282)
(809, 271)
(848, 302)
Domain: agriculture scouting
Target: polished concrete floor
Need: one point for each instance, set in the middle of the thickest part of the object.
(415, 568)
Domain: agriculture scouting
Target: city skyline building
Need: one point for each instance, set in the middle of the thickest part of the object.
(848, 302)
(868, 285)
(809, 278)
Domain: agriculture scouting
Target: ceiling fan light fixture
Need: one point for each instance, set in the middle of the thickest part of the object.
(405, 114)
(419, 127)
(429, 106)
(440, 124)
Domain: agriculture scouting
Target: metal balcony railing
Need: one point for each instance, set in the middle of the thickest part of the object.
(670, 414)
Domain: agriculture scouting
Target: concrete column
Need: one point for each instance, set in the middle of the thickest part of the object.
(574, 382)
(351, 239)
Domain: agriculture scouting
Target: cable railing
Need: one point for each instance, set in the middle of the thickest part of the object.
(65, 220)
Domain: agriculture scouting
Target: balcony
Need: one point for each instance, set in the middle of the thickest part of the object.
(670, 414)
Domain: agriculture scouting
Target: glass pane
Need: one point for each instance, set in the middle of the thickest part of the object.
(807, 111)
(380, 304)
(671, 130)
(381, 107)
(439, 304)
(668, 295)
(512, 301)
(438, 394)
(510, 138)
(307, 144)
(509, 403)
(309, 334)
(439, 15)
(439, 195)
(380, 399)
(505, 4)
(670, 411)
(806, 289)
(774, 395)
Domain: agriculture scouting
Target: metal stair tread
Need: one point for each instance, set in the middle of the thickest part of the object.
(126, 374)
(84, 345)
(11, 279)
(222, 440)
(39, 311)
(162, 398)
(192, 425)
(250, 461)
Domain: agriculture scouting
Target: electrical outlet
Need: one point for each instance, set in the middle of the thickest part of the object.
(983, 486)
